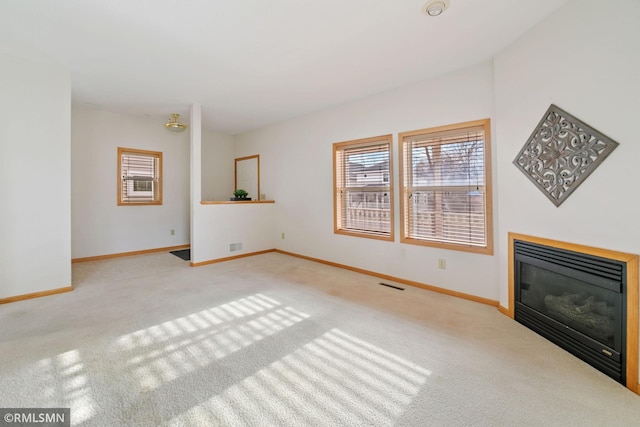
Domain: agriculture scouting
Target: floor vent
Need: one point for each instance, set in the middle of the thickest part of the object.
(391, 286)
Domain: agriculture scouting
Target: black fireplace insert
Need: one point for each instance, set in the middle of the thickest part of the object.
(575, 300)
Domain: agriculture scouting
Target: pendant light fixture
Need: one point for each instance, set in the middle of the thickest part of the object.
(174, 125)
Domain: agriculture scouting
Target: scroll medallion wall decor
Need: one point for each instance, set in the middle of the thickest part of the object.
(561, 153)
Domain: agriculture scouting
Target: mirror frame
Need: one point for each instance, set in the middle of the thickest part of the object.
(235, 172)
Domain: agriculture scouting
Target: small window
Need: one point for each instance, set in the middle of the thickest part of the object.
(139, 177)
(446, 187)
(363, 197)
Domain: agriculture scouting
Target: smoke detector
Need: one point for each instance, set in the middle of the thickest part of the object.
(435, 7)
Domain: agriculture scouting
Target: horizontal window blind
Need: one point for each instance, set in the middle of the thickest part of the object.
(139, 176)
(363, 199)
(445, 186)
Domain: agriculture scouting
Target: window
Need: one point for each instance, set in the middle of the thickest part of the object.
(139, 177)
(363, 197)
(446, 187)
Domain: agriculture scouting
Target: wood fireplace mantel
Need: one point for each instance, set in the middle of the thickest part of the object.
(633, 303)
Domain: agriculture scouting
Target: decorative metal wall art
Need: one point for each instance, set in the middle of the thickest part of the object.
(561, 153)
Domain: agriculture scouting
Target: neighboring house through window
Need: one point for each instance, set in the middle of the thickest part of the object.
(446, 187)
(139, 177)
(363, 197)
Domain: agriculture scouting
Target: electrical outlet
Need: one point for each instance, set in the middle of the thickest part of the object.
(173, 232)
(283, 235)
(442, 264)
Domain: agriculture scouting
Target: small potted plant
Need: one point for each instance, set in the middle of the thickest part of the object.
(240, 194)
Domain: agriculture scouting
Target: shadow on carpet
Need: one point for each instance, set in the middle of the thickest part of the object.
(184, 254)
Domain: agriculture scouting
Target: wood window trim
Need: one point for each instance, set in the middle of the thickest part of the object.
(135, 151)
(488, 248)
(337, 226)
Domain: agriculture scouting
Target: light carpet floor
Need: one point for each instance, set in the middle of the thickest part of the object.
(273, 340)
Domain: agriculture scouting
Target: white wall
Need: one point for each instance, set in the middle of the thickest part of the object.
(585, 58)
(219, 226)
(217, 165)
(296, 171)
(35, 243)
(99, 225)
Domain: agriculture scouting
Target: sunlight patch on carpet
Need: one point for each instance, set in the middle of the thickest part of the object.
(163, 353)
(336, 379)
(65, 384)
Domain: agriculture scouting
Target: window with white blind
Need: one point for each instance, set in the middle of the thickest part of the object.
(363, 183)
(139, 177)
(446, 187)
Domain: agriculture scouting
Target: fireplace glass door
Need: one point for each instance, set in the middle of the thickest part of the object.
(592, 310)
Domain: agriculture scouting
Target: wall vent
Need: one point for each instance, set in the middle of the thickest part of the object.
(391, 286)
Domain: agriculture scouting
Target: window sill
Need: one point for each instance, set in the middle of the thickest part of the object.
(484, 250)
(388, 238)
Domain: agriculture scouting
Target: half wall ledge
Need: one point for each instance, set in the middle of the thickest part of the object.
(234, 202)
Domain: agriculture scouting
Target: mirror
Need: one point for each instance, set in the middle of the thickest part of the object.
(247, 172)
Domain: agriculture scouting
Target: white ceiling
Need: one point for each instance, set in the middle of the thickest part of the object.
(254, 62)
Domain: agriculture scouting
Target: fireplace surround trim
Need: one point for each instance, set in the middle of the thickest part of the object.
(633, 302)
